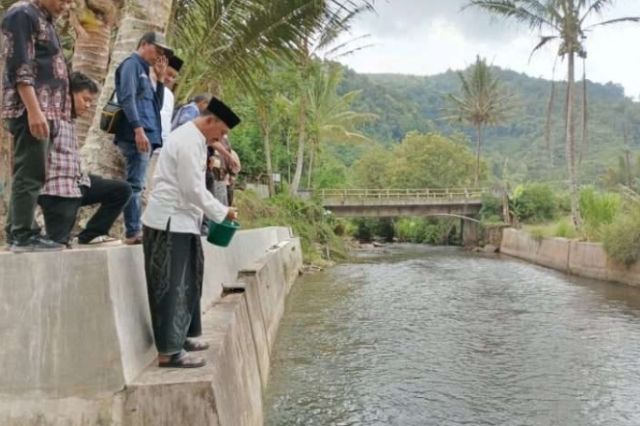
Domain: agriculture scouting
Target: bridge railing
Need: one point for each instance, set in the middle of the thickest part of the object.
(422, 193)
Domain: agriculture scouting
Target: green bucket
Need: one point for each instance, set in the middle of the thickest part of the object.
(220, 234)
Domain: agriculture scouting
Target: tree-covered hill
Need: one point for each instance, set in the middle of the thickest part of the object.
(517, 148)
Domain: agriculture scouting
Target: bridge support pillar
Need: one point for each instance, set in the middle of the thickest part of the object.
(471, 233)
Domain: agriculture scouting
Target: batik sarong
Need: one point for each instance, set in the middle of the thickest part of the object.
(174, 265)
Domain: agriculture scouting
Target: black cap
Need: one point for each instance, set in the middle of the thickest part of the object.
(223, 112)
(175, 63)
(157, 39)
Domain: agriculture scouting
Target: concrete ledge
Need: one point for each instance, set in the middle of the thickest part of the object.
(61, 412)
(549, 252)
(228, 391)
(267, 283)
(222, 264)
(73, 323)
(77, 336)
(583, 259)
(225, 392)
(588, 260)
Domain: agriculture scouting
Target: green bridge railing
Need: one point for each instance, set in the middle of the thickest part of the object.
(430, 194)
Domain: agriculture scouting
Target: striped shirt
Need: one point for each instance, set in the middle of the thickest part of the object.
(64, 175)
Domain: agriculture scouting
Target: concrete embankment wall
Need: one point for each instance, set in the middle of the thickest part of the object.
(78, 344)
(574, 257)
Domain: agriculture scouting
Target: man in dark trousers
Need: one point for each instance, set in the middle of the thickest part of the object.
(140, 130)
(174, 261)
(35, 98)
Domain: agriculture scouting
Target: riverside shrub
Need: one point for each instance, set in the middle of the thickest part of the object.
(622, 238)
(491, 210)
(598, 209)
(535, 202)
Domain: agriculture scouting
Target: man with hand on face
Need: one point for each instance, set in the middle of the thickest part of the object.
(168, 104)
(140, 129)
(35, 98)
(174, 261)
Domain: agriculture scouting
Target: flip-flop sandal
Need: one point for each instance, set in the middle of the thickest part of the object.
(183, 360)
(191, 345)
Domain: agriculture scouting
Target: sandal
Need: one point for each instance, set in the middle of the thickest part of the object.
(192, 345)
(135, 240)
(182, 360)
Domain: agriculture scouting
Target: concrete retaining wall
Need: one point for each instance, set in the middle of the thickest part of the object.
(78, 344)
(579, 258)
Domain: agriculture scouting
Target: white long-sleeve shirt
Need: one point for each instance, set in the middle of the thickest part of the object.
(166, 113)
(179, 191)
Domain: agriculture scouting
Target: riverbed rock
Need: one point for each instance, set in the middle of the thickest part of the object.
(490, 248)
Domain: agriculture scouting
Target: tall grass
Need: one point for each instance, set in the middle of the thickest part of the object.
(598, 210)
(621, 238)
(308, 220)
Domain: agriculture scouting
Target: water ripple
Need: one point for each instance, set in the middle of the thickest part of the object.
(428, 336)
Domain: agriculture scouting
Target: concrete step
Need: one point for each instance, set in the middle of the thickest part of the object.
(227, 391)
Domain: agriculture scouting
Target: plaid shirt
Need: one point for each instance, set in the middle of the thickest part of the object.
(33, 56)
(64, 175)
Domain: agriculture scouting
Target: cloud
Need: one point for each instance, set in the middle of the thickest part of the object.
(430, 36)
(396, 18)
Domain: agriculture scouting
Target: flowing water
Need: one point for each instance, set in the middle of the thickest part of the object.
(436, 336)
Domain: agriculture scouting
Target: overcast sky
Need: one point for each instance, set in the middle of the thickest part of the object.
(427, 37)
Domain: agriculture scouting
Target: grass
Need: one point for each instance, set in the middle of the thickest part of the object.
(320, 244)
(560, 228)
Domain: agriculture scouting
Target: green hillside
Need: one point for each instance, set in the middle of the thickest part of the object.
(517, 148)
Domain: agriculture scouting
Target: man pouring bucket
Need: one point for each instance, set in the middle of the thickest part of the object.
(174, 261)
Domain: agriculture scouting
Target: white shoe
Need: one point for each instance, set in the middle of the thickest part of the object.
(101, 241)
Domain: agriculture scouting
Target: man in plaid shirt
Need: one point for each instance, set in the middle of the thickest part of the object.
(67, 189)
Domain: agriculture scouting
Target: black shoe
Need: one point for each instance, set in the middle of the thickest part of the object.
(36, 243)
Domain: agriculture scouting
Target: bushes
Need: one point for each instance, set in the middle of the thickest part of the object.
(308, 219)
(491, 210)
(535, 203)
(425, 231)
(622, 237)
(598, 210)
(565, 229)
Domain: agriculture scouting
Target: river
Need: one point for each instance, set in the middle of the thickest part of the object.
(436, 336)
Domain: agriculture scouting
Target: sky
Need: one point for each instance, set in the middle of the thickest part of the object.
(426, 37)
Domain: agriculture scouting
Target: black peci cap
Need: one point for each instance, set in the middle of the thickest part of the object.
(175, 63)
(223, 112)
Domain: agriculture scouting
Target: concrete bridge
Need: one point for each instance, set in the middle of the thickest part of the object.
(456, 202)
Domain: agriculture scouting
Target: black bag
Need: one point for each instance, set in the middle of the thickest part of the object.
(111, 115)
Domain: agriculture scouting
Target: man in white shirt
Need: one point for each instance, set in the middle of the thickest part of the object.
(169, 102)
(174, 262)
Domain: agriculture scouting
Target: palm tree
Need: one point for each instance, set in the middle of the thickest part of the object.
(238, 41)
(263, 102)
(228, 40)
(330, 117)
(334, 21)
(93, 22)
(566, 22)
(482, 103)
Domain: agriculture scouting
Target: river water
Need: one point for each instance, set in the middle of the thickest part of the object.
(436, 336)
